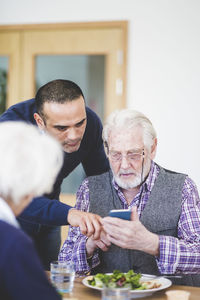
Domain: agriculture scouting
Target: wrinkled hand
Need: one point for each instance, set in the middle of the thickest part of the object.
(90, 224)
(103, 243)
(131, 234)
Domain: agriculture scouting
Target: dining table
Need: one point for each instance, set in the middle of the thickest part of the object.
(82, 292)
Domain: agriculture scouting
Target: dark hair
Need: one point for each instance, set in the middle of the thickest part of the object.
(59, 91)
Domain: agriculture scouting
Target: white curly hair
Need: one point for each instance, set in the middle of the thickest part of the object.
(127, 119)
(29, 161)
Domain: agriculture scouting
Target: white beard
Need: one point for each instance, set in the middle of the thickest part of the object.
(133, 183)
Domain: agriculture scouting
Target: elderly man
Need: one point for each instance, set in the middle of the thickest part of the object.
(59, 109)
(163, 236)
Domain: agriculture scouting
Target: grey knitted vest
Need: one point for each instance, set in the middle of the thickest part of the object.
(160, 215)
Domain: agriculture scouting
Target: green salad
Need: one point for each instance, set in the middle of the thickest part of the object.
(118, 280)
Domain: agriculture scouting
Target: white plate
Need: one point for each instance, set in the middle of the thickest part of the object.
(165, 283)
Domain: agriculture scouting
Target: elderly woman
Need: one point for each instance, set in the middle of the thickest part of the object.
(29, 164)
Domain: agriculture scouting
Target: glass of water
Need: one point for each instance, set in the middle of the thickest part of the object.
(62, 276)
(177, 294)
(115, 293)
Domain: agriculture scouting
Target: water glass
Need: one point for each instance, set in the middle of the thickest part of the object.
(177, 295)
(62, 276)
(115, 293)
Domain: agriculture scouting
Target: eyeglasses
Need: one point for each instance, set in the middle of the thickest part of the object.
(130, 156)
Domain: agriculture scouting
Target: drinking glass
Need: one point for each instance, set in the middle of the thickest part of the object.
(177, 295)
(115, 293)
(62, 276)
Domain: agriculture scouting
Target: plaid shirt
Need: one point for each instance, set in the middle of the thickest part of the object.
(177, 255)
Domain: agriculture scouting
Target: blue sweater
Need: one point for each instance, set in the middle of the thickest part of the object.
(21, 274)
(47, 209)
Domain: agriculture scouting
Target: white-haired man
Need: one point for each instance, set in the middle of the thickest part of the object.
(30, 162)
(163, 236)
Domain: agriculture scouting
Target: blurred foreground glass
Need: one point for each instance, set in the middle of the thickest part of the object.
(115, 293)
(177, 295)
(62, 276)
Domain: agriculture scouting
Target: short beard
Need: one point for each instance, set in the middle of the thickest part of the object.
(139, 177)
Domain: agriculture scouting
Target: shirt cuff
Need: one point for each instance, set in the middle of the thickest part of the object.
(168, 259)
(80, 258)
(94, 261)
(84, 265)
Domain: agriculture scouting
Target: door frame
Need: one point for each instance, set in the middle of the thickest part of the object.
(26, 91)
(10, 47)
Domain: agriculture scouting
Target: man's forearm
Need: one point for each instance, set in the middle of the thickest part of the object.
(45, 211)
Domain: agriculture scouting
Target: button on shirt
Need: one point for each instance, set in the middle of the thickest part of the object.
(177, 254)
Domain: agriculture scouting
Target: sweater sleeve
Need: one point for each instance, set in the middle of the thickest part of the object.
(46, 211)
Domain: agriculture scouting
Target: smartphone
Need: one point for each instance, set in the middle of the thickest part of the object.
(120, 213)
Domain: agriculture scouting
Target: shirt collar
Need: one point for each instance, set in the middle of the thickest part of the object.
(150, 180)
(6, 214)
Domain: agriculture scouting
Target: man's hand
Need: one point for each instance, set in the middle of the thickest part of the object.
(103, 243)
(131, 234)
(90, 224)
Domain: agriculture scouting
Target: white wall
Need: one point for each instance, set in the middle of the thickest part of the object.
(163, 63)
